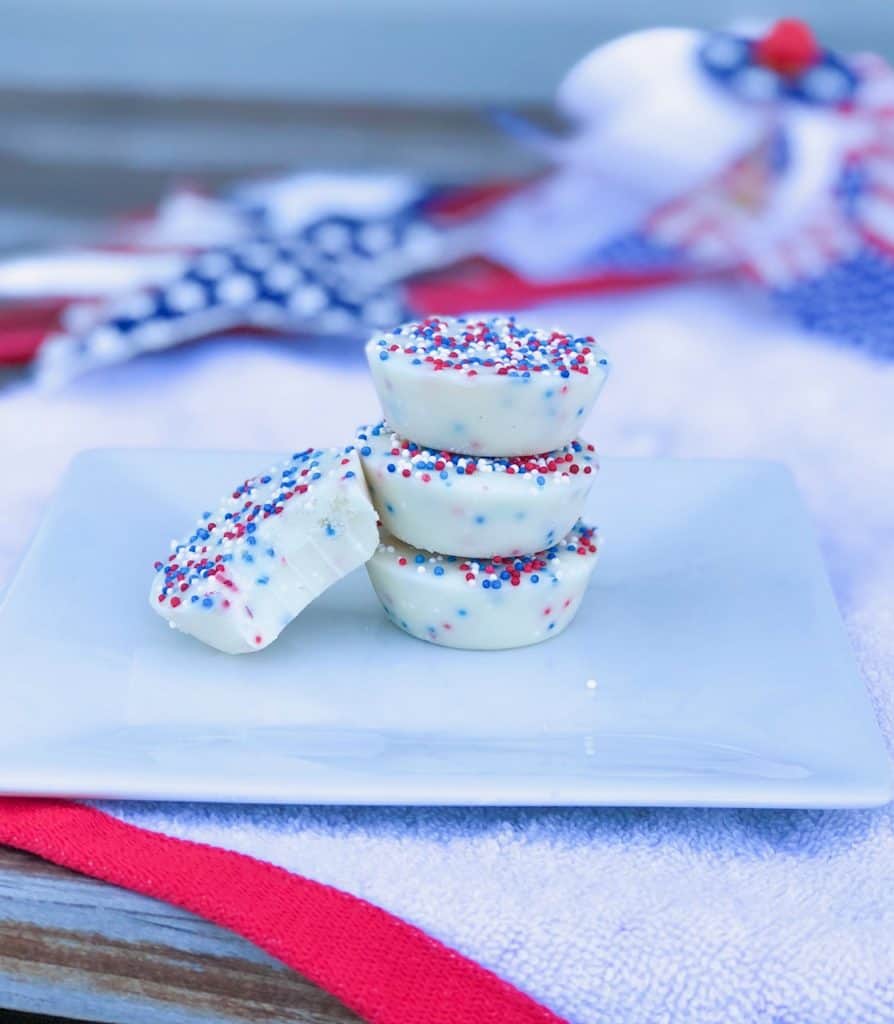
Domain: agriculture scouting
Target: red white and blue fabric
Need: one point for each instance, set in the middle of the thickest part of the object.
(834, 270)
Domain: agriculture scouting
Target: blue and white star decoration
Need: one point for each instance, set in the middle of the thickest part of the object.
(336, 275)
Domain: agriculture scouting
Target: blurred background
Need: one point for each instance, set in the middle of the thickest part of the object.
(105, 103)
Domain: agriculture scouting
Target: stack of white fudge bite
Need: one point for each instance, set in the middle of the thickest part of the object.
(482, 543)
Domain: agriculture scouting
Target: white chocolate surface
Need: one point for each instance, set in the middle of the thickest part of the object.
(485, 387)
(483, 605)
(477, 506)
(273, 545)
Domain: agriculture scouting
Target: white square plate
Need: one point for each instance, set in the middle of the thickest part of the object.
(708, 665)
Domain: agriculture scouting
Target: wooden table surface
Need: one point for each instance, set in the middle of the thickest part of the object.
(74, 947)
(71, 946)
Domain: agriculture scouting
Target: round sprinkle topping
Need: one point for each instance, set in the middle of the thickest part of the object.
(581, 542)
(430, 467)
(201, 562)
(498, 345)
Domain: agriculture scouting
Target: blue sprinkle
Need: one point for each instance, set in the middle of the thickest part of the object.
(390, 507)
(207, 602)
(552, 625)
(251, 540)
(505, 574)
(349, 474)
(247, 556)
(391, 467)
(439, 570)
(383, 356)
(330, 530)
(461, 612)
(420, 559)
(263, 580)
(535, 578)
(541, 480)
(251, 528)
(366, 450)
(443, 474)
(194, 598)
(486, 584)
(496, 584)
(271, 552)
(480, 519)
(266, 479)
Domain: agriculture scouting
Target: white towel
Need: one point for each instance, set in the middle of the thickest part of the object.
(603, 915)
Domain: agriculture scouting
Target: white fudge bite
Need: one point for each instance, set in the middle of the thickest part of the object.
(276, 542)
(484, 604)
(477, 505)
(485, 386)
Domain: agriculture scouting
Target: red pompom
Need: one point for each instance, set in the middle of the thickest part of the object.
(789, 48)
